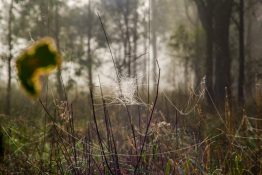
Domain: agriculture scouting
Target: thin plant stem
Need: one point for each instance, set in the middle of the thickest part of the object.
(150, 119)
(97, 131)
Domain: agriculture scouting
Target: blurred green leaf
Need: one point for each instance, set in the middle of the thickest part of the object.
(39, 59)
(168, 167)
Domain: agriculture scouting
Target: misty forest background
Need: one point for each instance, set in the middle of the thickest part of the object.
(145, 87)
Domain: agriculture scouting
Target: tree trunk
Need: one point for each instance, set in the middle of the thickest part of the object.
(215, 17)
(206, 15)
(145, 58)
(127, 37)
(135, 38)
(209, 61)
(249, 83)
(241, 78)
(2, 150)
(196, 61)
(154, 40)
(89, 54)
(8, 93)
(222, 17)
(186, 74)
(10, 47)
(59, 70)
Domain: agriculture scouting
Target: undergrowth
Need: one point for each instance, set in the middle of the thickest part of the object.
(61, 139)
(136, 129)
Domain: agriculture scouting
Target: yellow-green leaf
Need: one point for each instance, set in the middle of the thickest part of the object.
(39, 59)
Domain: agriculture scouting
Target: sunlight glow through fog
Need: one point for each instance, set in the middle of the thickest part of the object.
(77, 2)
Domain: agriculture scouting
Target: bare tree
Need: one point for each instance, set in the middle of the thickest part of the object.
(57, 38)
(135, 39)
(89, 37)
(125, 16)
(154, 39)
(205, 10)
(216, 19)
(9, 59)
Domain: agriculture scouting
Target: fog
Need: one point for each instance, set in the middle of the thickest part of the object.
(130, 87)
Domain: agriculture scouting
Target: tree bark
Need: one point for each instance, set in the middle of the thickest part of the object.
(209, 60)
(222, 17)
(215, 17)
(249, 54)
(206, 15)
(241, 78)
